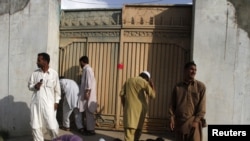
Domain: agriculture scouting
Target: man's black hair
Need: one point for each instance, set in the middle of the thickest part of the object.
(45, 56)
(84, 59)
(188, 64)
(61, 77)
(144, 76)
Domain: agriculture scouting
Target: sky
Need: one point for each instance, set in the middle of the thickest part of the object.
(83, 4)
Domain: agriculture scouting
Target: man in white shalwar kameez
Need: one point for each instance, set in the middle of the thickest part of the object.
(44, 82)
(87, 100)
(70, 89)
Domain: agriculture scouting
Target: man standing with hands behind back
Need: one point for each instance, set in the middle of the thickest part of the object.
(44, 82)
(188, 106)
(134, 100)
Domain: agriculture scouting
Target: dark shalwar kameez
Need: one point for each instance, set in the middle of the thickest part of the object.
(188, 104)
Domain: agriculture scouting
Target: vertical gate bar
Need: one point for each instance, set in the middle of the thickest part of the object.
(119, 81)
(161, 80)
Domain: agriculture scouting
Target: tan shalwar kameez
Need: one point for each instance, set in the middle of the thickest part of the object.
(133, 94)
(188, 104)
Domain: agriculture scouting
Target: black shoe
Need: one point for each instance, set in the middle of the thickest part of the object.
(82, 130)
(89, 133)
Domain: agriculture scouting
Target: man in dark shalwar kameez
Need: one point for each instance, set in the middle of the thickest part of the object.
(188, 106)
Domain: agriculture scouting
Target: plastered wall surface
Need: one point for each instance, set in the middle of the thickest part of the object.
(221, 50)
(24, 32)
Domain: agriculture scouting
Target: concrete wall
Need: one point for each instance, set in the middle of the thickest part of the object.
(221, 50)
(27, 27)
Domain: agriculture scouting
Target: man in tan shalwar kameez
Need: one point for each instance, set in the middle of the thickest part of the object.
(188, 106)
(133, 96)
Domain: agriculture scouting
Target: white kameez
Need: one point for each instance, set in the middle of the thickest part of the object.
(43, 114)
(71, 91)
(88, 82)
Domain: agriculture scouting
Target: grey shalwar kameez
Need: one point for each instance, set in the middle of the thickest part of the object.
(88, 82)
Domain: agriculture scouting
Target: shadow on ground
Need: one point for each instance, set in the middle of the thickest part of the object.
(107, 135)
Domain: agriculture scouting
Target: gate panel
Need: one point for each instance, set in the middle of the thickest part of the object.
(103, 58)
(162, 34)
(69, 60)
(165, 63)
(147, 37)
